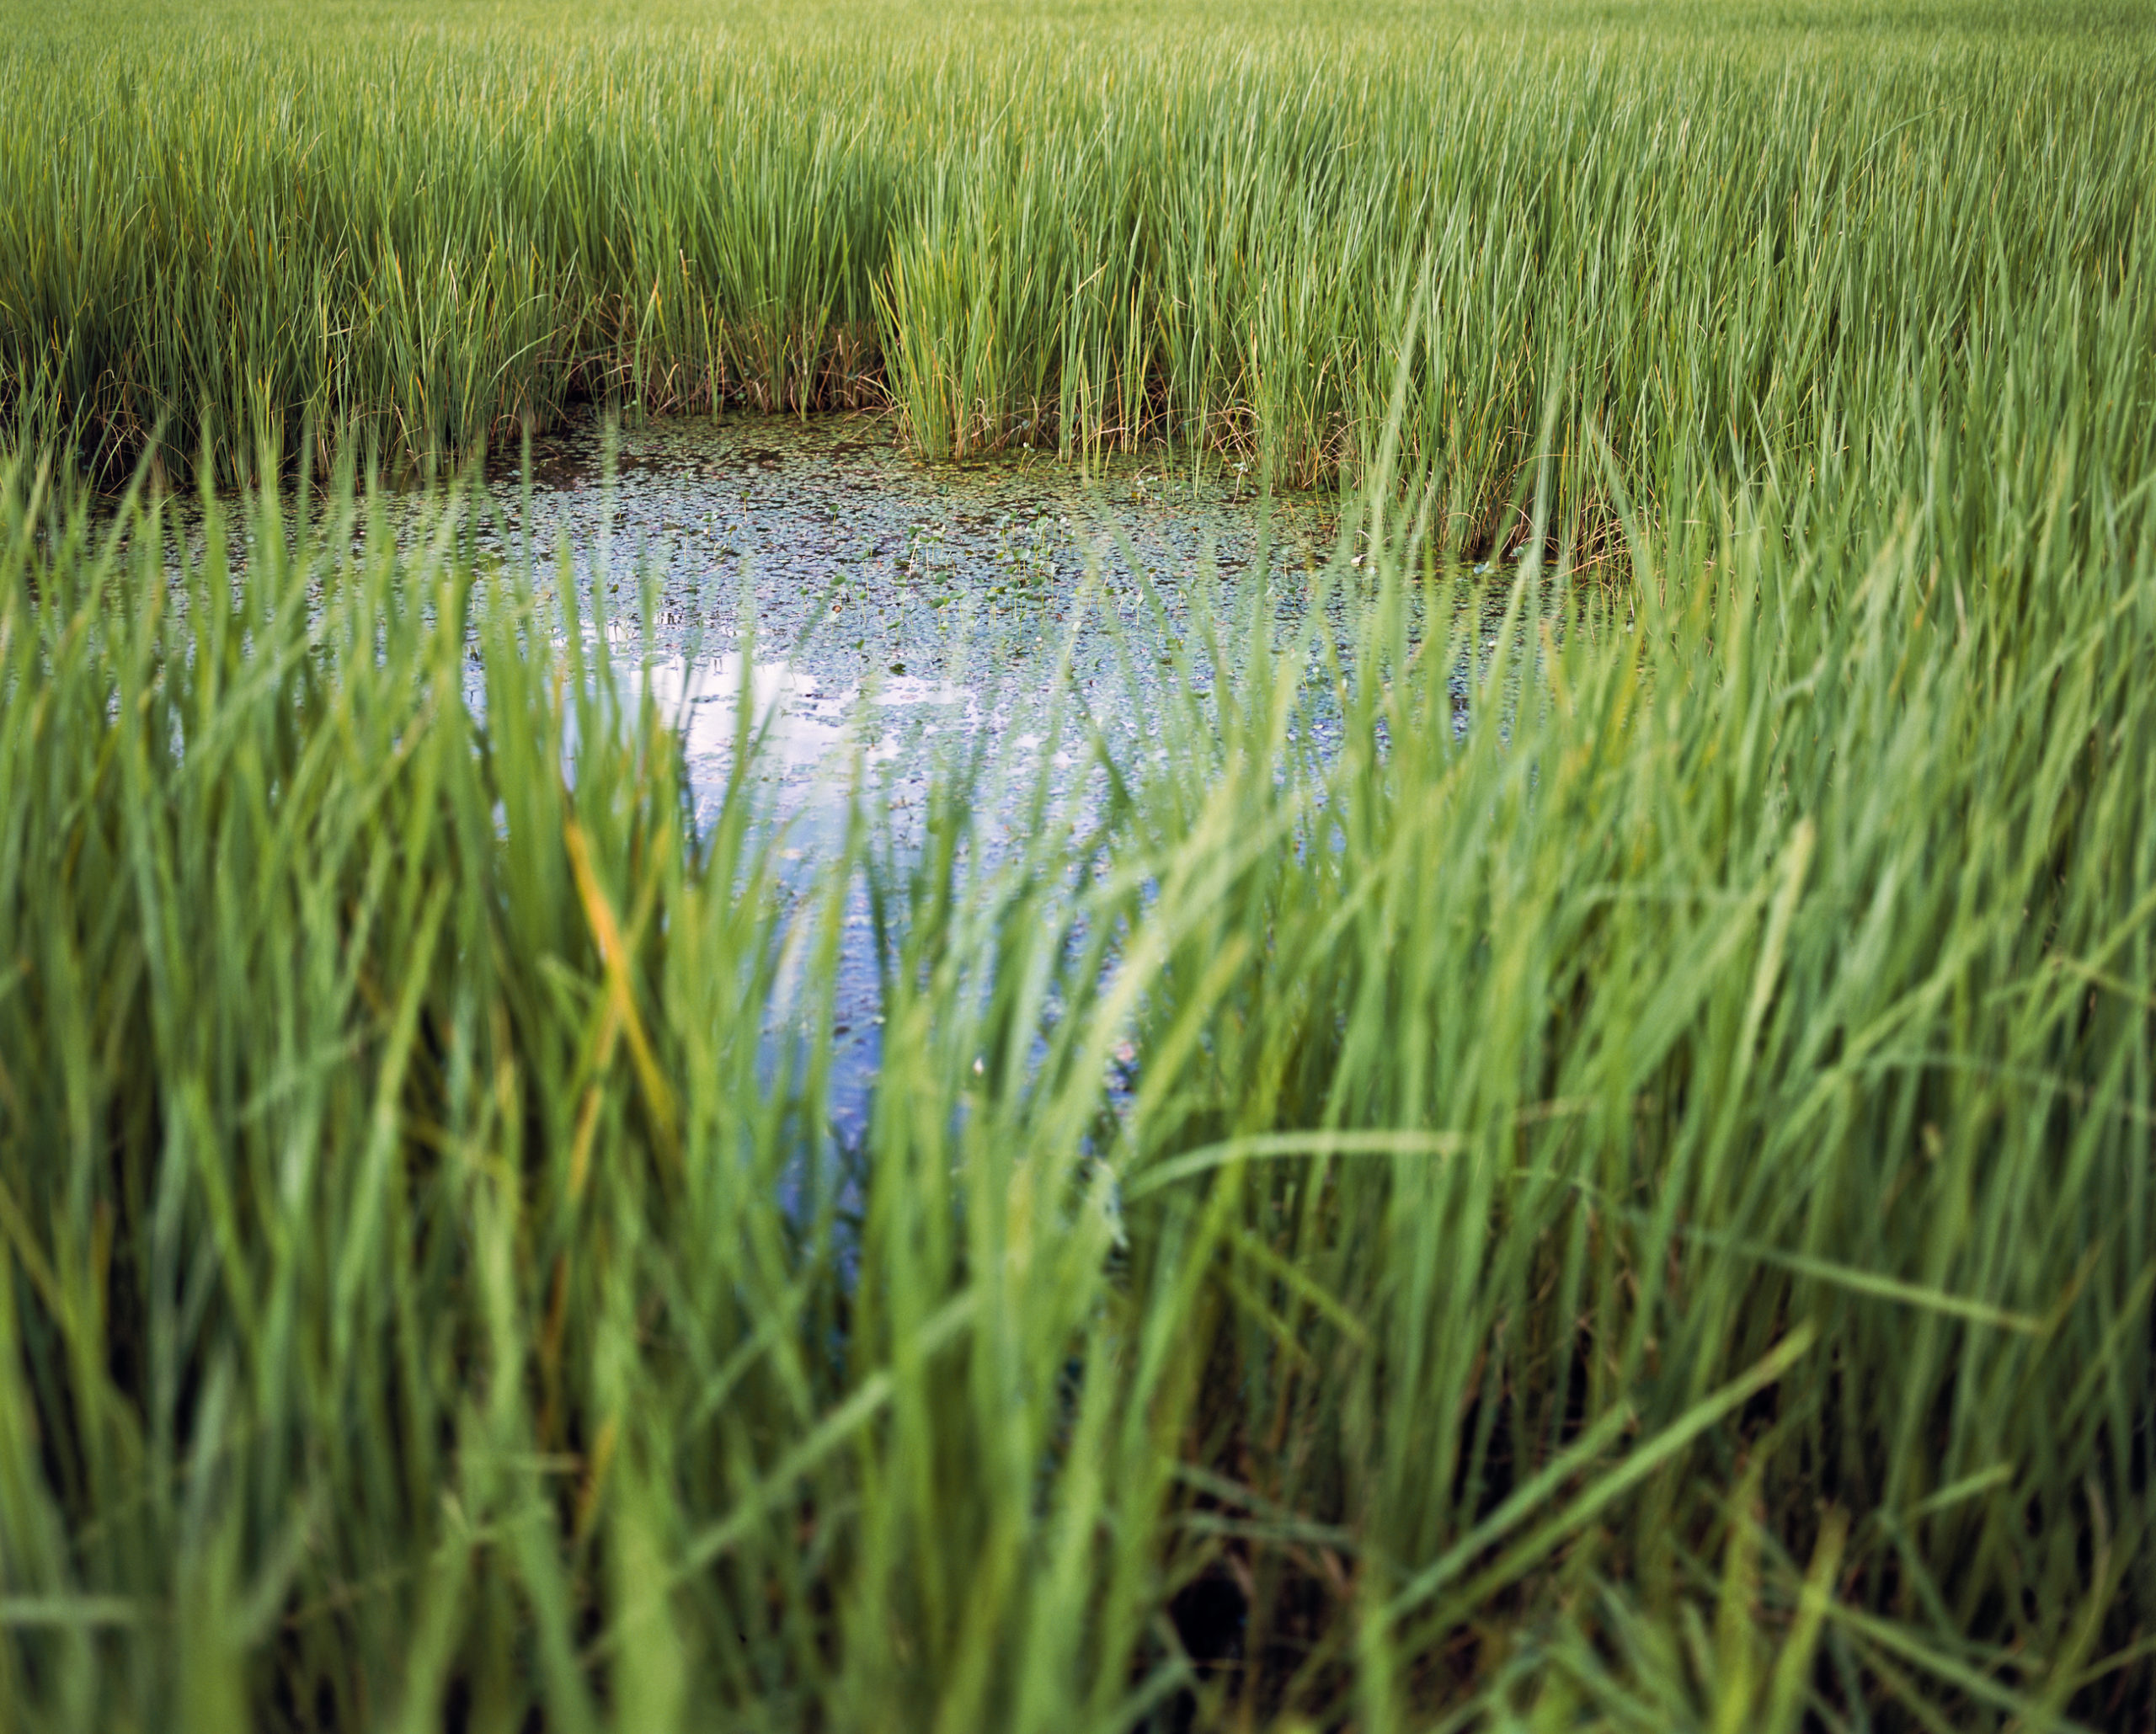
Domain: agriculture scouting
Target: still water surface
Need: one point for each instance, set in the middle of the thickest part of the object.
(888, 618)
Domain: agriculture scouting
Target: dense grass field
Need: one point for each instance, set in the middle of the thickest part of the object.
(1626, 1202)
(1087, 226)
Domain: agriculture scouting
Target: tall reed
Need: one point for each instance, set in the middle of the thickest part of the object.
(1596, 1174)
(1625, 1200)
(1727, 242)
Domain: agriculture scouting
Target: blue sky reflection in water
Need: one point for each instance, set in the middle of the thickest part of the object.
(893, 620)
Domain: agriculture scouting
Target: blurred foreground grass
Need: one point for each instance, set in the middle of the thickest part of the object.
(1634, 1208)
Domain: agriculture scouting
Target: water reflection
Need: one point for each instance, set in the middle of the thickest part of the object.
(880, 619)
(794, 721)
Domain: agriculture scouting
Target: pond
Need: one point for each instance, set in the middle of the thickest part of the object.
(892, 622)
(930, 600)
(889, 617)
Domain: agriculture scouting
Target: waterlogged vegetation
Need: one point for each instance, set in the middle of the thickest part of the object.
(1597, 1180)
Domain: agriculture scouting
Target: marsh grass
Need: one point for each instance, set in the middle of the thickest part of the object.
(1630, 1207)
(1596, 1179)
(1718, 242)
